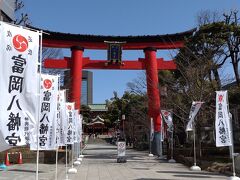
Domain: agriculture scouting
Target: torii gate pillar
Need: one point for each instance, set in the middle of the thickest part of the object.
(153, 96)
(76, 75)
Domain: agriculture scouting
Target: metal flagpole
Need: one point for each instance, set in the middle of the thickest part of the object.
(81, 148)
(56, 171)
(194, 147)
(72, 170)
(233, 162)
(150, 145)
(39, 101)
(79, 159)
(150, 138)
(194, 167)
(234, 177)
(66, 167)
(78, 151)
(72, 153)
(171, 160)
(172, 146)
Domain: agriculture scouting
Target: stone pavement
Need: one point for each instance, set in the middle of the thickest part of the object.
(100, 163)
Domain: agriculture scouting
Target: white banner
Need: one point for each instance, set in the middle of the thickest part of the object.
(3, 145)
(80, 132)
(151, 129)
(167, 116)
(48, 113)
(62, 121)
(75, 125)
(162, 129)
(70, 116)
(222, 121)
(58, 121)
(193, 112)
(19, 82)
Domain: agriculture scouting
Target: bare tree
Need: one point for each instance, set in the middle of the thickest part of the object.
(207, 17)
(232, 28)
(22, 18)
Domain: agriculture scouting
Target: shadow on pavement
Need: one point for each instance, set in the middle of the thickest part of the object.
(89, 149)
(107, 157)
(25, 170)
(192, 176)
(141, 168)
(184, 172)
(151, 179)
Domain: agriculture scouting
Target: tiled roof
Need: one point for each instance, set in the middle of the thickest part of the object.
(51, 35)
(98, 107)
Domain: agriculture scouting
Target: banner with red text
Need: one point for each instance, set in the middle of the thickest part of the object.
(222, 121)
(19, 82)
(48, 113)
(70, 116)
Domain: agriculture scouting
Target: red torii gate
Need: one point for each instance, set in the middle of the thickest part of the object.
(149, 44)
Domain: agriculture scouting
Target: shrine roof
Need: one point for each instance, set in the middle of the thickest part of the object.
(100, 38)
(98, 107)
(64, 40)
(97, 119)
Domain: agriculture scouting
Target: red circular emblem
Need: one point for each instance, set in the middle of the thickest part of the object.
(69, 107)
(166, 113)
(20, 43)
(220, 98)
(47, 83)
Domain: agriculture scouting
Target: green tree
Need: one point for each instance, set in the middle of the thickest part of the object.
(86, 113)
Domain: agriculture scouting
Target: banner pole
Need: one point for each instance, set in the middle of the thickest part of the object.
(72, 170)
(150, 138)
(194, 147)
(232, 149)
(78, 150)
(39, 101)
(194, 167)
(56, 172)
(234, 177)
(72, 153)
(172, 145)
(233, 162)
(171, 160)
(66, 166)
(150, 145)
(80, 147)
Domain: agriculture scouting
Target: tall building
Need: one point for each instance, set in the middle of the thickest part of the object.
(7, 8)
(87, 88)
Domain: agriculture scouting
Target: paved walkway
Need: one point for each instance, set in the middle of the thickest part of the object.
(100, 163)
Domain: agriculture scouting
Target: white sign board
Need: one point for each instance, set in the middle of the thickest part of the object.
(121, 148)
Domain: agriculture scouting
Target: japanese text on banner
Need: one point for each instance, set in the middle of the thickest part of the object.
(19, 78)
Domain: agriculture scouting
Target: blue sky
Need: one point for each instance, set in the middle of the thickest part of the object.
(120, 17)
